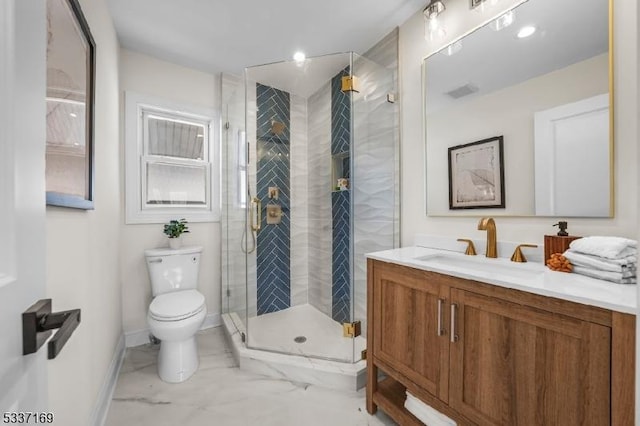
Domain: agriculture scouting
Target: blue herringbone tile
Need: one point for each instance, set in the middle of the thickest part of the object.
(340, 115)
(340, 143)
(341, 274)
(273, 169)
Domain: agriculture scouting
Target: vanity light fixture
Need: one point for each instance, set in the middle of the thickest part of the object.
(526, 31)
(433, 28)
(503, 21)
(433, 9)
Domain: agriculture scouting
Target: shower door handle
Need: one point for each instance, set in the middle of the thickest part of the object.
(256, 225)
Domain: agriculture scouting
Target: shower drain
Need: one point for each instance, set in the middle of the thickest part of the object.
(300, 339)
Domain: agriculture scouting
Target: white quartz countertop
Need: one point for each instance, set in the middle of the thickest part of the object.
(531, 277)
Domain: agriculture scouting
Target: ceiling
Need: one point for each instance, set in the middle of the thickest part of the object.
(568, 31)
(227, 36)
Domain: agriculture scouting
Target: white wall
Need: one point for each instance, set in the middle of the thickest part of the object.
(82, 250)
(459, 20)
(509, 112)
(148, 76)
(636, 39)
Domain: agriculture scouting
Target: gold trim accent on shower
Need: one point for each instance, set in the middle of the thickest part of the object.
(255, 226)
(350, 83)
(351, 329)
(612, 175)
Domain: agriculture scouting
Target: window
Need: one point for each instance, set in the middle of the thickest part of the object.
(171, 162)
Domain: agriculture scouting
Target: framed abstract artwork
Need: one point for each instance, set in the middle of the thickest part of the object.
(476, 175)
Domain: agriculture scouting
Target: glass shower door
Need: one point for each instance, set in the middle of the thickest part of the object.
(373, 175)
(308, 132)
(234, 201)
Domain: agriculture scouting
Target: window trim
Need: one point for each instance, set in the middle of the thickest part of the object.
(136, 157)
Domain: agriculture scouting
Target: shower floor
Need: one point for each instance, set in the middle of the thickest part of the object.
(278, 331)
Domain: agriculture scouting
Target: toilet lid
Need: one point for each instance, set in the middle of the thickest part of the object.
(177, 305)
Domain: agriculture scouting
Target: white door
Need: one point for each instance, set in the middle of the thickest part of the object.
(23, 385)
(573, 159)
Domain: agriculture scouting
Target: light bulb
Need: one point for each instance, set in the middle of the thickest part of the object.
(434, 30)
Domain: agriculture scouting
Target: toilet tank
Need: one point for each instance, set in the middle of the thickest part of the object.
(173, 269)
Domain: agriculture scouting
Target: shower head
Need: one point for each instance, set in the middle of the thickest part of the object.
(277, 128)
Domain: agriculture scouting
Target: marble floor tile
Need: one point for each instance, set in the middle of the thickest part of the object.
(220, 394)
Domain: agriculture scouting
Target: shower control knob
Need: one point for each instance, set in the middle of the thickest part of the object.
(274, 214)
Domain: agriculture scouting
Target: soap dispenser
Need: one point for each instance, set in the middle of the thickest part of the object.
(558, 243)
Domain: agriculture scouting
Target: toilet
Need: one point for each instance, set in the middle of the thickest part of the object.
(177, 310)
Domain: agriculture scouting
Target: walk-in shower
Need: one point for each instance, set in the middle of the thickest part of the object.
(309, 187)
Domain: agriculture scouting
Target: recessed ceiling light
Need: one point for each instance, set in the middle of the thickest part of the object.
(73, 114)
(299, 56)
(526, 31)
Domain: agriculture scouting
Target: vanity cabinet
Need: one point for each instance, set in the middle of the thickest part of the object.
(487, 355)
(407, 333)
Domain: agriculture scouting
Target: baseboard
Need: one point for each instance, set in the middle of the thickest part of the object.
(141, 337)
(101, 407)
(211, 320)
(136, 338)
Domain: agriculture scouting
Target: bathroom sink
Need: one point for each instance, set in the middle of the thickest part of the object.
(480, 264)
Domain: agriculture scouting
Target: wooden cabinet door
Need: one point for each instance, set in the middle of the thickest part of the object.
(406, 312)
(516, 365)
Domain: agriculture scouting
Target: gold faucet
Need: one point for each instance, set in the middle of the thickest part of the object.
(489, 225)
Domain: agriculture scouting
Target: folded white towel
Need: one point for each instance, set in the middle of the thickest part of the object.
(614, 265)
(614, 277)
(608, 247)
(426, 414)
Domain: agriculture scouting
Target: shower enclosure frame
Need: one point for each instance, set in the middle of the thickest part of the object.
(372, 197)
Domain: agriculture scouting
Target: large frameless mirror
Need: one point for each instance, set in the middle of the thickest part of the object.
(539, 77)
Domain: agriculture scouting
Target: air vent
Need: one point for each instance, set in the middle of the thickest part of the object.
(462, 91)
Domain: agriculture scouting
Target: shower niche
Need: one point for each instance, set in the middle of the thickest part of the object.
(340, 168)
(292, 286)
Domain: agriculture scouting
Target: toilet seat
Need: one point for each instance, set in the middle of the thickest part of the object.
(176, 306)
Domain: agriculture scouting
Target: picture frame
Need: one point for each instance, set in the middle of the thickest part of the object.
(70, 99)
(476, 174)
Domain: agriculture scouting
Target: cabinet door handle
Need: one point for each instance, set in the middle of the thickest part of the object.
(441, 331)
(454, 336)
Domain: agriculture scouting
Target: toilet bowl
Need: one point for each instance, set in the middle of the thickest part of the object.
(177, 310)
(175, 322)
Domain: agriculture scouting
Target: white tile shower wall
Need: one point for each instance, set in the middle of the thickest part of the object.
(319, 198)
(299, 211)
(385, 53)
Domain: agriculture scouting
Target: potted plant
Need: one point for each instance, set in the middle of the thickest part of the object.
(174, 229)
